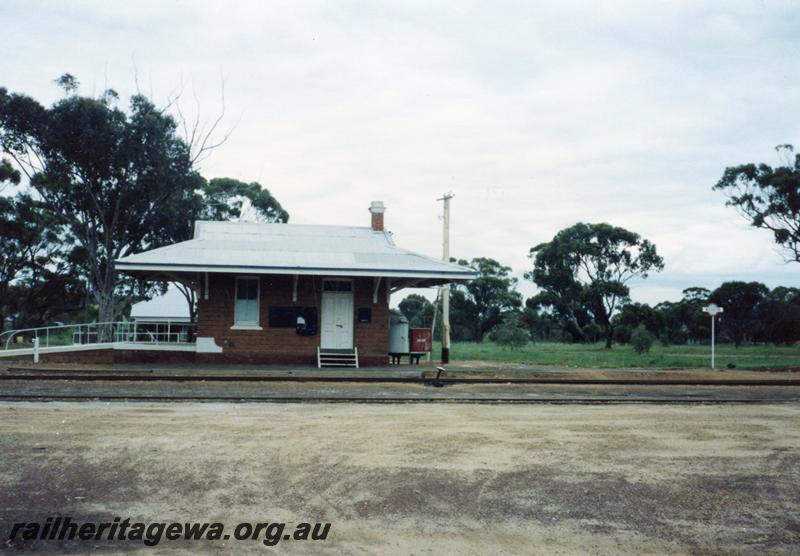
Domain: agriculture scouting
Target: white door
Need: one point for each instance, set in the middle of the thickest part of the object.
(336, 329)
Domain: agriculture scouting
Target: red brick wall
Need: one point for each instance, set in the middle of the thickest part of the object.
(144, 356)
(215, 317)
(88, 356)
(109, 356)
(276, 346)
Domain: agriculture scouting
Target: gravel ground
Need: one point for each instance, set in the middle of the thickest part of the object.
(415, 479)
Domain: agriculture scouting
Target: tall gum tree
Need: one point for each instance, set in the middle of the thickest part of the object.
(493, 294)
(120, 179)
(769, 197)
(585, 268)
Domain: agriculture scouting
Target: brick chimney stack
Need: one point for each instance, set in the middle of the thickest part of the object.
(377, 209)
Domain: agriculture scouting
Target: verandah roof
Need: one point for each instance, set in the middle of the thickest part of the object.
(255, 248)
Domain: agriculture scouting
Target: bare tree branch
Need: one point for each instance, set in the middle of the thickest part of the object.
(135, 74)
(201, 136)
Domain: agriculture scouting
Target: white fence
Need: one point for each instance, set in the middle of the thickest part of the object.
(150, 332)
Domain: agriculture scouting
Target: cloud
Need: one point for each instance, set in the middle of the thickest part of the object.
(536, 116)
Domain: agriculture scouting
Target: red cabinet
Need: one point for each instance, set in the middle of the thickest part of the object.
(421, 340)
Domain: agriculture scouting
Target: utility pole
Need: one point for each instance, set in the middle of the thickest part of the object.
(435, 316)
(446, 287)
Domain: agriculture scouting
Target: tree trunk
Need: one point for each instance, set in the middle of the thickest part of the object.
(190, 295)
(106, 314)
(578, 330)
(106, 303)
(609, 336)
(191, 300)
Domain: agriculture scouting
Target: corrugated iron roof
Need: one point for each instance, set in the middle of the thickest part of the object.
(292, 249)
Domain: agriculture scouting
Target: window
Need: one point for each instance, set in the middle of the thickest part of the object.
(286, 317)
(246, 309)
(337, 286)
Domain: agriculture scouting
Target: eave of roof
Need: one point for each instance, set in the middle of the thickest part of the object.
(244, 248)
(301, 271)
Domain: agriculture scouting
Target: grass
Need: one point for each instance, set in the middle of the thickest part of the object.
(623, 356)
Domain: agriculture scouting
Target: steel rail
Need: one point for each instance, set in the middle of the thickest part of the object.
(393, 400)
(17, 373)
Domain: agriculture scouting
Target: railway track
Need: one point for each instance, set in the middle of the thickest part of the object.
(395, 400)
(151, 376)
(249, 392)
(43, 384)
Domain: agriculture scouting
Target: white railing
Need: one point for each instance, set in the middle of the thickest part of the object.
(152, 332)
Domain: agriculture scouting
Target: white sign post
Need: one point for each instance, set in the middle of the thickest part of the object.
(713, 310)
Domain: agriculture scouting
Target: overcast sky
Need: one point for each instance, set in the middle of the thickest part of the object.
(536, 115)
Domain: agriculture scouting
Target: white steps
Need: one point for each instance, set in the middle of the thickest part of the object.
(337, 358)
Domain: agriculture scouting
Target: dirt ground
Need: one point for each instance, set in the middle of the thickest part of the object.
(415, 479)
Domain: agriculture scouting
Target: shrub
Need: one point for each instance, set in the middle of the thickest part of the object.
(511, 334)
(593, 332)
(622, 333)
(641, 340)
(563, 336)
